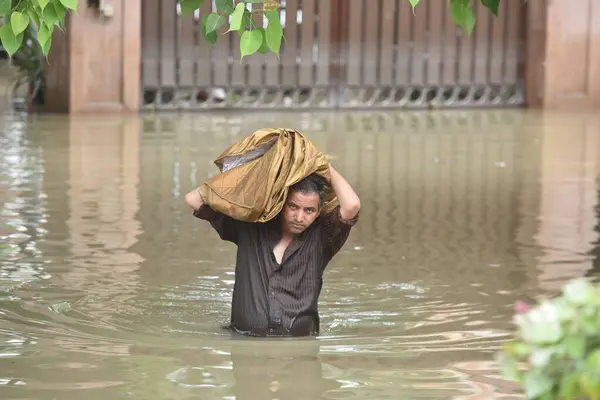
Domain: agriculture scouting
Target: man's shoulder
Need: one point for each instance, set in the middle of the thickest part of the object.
(334, 216)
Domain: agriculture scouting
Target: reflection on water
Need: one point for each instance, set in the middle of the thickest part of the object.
(110, 289)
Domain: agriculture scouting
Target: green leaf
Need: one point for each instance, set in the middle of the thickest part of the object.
(569, 386)
(470, 21)
(45, 34)
(492, 5)
(413, 4)
(189, 6)
(273, 35)
(43, 3)
(210, 37)
(59, 9)
(593, 361)
(70, 4)
(518, 349)
(19, 22)
(536, 384)
(246, 21)
(250, 42)
(273, 17)
(34, 16)
(49, 16)
(224, 6)
(10, 41)
(5, 6)
(263, 46)
(213, 22)
(590, 384)
(575, 346)
(458, 10)
(46, 47)
(236, 17)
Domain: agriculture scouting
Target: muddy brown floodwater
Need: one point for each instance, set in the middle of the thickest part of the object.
(110, 289)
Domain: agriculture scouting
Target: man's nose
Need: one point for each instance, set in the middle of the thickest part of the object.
(299, 216)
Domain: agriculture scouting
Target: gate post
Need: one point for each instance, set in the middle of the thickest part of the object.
(563, 54)
(95, 65)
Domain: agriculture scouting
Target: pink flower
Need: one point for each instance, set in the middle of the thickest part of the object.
(521, 307)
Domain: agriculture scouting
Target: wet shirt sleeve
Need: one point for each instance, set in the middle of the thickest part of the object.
(335, 231)
(227, 227)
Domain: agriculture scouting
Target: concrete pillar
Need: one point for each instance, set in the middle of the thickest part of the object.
(563, 54)
(95, 65)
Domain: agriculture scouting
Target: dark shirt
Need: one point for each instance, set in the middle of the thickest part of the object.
(271, 299)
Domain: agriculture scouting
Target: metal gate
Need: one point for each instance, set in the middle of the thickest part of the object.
(337, 54)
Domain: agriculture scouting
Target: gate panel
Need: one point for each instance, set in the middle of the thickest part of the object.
(337, 53)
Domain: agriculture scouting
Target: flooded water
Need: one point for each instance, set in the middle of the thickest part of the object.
(110, 289)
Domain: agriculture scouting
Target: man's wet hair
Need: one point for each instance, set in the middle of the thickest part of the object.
(313, 183)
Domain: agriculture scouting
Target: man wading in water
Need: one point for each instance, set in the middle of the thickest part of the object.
(280, 263)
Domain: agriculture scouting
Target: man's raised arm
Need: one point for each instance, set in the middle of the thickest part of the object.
(349, 201)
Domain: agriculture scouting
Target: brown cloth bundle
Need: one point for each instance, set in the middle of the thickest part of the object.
(256, 173)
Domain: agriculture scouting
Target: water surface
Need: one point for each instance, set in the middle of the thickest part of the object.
(110, 289)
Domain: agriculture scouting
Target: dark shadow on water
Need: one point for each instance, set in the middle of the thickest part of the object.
(594, 272)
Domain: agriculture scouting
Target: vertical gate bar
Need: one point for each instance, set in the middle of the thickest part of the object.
(338, 51)
(150, 44)
(307, 41)
(497, 44)
(436, 42)
(482, 43)
(465, 63)
(450, 49)
(168, 57)
(288, 58)
(419, 43)
(386, 58)
(405, 20)
(203, 51)
(324, 42)
(256, 61)
(221, 54)
(355, 43)
(186, 54)
(513, 38)
(370, 45)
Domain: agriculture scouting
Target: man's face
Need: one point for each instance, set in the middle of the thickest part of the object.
(300, 211)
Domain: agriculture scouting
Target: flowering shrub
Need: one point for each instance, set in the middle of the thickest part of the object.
(556, 354)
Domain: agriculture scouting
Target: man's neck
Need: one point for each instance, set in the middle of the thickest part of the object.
(287, 236)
